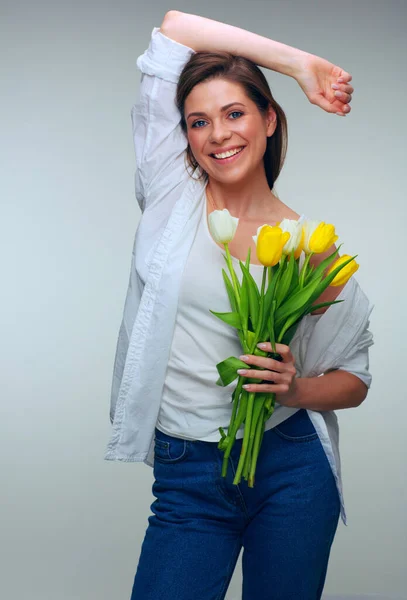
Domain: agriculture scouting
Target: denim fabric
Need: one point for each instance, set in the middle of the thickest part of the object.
(286, 524)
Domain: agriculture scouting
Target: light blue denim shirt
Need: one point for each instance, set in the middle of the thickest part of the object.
(171, 204)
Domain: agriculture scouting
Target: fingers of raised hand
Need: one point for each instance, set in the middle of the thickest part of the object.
(343, 92)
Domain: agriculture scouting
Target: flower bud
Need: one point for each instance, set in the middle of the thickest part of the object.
(270, 241)
(222, 226)
(318, 236)
(346, 272)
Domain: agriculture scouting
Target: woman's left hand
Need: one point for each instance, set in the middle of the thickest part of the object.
(317, 76)
(281, 375)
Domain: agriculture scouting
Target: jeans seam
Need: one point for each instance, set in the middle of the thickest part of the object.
(242, 501)
(174, 460)
(306, 438)
(231, 569)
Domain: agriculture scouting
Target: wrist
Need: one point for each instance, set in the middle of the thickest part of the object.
(297, 393)
(293, 62)
(286, 60)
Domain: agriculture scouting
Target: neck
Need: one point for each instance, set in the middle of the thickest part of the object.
(244, 199)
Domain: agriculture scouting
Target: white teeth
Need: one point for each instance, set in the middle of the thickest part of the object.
(229, 153)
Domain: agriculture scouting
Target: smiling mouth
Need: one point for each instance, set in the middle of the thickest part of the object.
(225, 155)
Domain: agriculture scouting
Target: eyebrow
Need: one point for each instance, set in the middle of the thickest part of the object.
(202, 114)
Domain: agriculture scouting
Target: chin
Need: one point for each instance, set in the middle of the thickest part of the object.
(231, 177)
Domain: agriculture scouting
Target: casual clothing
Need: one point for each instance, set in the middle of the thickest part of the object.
(172, 203)
(193, 407)
(286, 523)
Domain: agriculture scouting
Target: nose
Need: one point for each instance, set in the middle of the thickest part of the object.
(219, 132)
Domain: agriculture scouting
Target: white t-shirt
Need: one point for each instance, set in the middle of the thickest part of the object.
(192, 405)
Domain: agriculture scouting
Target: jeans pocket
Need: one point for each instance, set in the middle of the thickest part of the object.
(169, 449)
(297, 428)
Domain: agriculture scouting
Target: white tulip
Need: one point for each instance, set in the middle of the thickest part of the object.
(222, 226)
(294, 228)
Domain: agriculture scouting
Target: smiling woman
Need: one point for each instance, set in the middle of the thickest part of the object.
(228, 131)
(226, 105)
(203, 99)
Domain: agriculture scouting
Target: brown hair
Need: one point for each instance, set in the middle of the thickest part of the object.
(209, 65)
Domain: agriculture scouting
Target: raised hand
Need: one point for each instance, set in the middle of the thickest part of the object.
(325, 84)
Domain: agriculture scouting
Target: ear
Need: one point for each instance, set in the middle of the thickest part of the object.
(271, 121)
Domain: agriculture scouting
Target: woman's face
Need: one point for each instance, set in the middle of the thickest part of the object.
(227, 120)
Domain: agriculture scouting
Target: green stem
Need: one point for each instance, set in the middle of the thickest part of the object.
(233, 276)
(256, 449)
(246, 465)
(257, 415)
(235, 283)
(304, 269)
(247, 425)
(234, 427)
(260, 321)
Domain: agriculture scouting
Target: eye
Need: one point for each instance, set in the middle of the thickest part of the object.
(236, 112)
(196, 124)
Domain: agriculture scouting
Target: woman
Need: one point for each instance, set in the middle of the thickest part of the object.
(231, 130)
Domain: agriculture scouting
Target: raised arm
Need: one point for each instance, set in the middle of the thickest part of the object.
(159, 141)
(314, 74)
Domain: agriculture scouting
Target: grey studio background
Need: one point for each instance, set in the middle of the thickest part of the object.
(72, 524)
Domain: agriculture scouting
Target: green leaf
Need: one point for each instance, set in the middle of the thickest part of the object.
(297, 301)
(271, 325)
(285, 281)
(292, 323)
(316, 306)
(227, 370)
(268, 298)
(268, 406)
(290, 326)
(237, 281)
(230, 291)
(247, 264)
(244, 301)
(319, 270)
(250, 337)
(230, 318)
(290, 332)
(295, 280)
(310, 274)
(253, 294)
(326, 281)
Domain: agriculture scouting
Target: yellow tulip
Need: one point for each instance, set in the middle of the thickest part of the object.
(319, 236)
(270, 242)
(344, 274)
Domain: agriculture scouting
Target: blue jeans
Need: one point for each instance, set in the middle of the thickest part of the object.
(286, 523)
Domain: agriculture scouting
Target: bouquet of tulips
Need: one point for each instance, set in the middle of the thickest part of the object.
(272, 313)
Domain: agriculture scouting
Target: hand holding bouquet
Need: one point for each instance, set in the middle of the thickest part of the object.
(271, 315)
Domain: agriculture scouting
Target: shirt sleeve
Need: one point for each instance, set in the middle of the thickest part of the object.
(357, 361)
(159, 141)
